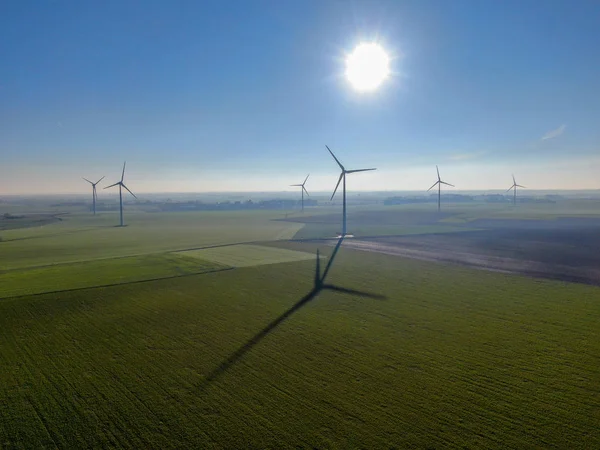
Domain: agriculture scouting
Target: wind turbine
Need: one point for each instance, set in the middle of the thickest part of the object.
(121, 185)
(343, 176)
(439, 183)
(303, 189)
(94, 195)
(515, 186)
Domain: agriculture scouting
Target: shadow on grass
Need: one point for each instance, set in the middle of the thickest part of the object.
(319, 285)
(108, 285)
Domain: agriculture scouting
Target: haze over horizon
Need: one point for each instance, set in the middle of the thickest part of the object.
(243, 96)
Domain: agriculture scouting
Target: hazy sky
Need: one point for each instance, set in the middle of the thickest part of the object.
(243, 95)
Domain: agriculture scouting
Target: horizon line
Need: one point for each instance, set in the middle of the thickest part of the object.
(46, 194)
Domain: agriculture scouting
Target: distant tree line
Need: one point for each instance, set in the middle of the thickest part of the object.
(9, 216)
(402, 200)
(461, 198)
(234, 205)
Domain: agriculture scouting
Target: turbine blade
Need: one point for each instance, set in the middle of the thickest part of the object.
(336, 160)
(295, 185)
(518, 185)
(99, 180)
(514, 181)
(337, 185)
(358, 170)
(434, 185)
(112, 185)
(305, 191)
(447, 184)
(88, 181)
(332, 287)
(128, 190)
(306, 179)
(509, 189)
(123, 174)
(438, 172)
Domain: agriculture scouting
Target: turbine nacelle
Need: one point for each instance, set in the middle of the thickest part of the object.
(439, 180)
(92, 183)
(344, 172)
(121, 185)
(94, 193)
(343, 176)
(302, 189)
(439, 183)
(302, 185)
(515, 185)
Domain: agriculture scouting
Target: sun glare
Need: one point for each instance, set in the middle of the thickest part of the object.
(367, 67)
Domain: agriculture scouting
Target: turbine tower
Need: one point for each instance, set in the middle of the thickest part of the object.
(439, 183)
(302, 189)
(94, 194)
(121, 185)
(515, 186)
(343, 176)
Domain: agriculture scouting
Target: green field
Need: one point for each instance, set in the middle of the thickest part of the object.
(244, 255)
(324, 231)
(83, 237)
(126, 324)
(100, 272)
(378, 220)
(452, 358)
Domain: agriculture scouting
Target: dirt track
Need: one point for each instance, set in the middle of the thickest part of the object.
(568, 256)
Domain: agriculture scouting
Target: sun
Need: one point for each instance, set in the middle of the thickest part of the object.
(367, 67)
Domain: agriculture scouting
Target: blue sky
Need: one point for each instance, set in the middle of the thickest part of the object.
(243, 95)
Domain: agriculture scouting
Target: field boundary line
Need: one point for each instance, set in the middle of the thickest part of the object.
(133, 255)
(381, 236)
(147, 280)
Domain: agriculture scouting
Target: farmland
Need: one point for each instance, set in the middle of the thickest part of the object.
(83, 237)
(101, 272)
(537, 249)
(126, 324)
(244, 255)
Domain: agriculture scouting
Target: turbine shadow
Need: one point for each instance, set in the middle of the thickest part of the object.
(319, 285)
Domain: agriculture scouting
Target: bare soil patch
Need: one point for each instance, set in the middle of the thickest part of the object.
(568, 254)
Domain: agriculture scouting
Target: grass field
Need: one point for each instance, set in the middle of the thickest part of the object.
(452, 358)
(13, 222)
(378, 220)
(324, 231)
(367, 221)
(523, 211)
(100, 272)
(83, 237)
(245, 255)
(108, 337)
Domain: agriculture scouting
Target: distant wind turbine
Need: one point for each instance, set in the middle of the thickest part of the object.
(515, 186)
(343, 176)
(94, 194)
(303, 189)
(121, 185)
(439, 183)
